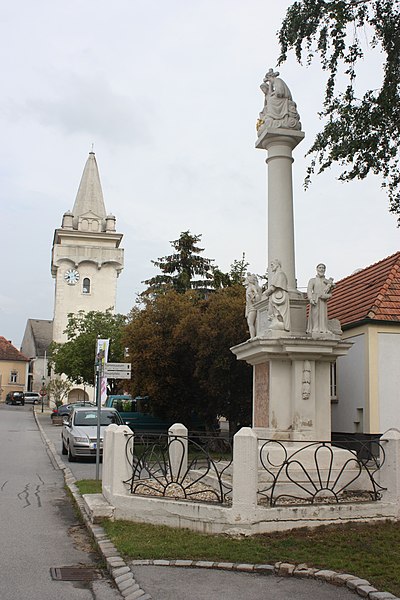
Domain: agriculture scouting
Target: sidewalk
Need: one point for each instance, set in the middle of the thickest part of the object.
(201, 580)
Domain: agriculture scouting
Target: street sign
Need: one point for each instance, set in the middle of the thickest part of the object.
(117, 370)
(118, 366)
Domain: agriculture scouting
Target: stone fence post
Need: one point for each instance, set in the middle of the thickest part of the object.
(390, 470)
(245, 471)
(178, 450)
(117, 458)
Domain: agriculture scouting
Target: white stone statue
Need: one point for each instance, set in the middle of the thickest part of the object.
(253, 295)
(319, 291)
(277, 292)
(279, 109)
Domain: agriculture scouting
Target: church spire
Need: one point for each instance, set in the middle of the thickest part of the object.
(89, 198)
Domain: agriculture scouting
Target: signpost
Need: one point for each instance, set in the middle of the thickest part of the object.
(117, 370)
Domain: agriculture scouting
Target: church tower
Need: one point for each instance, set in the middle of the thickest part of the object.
(86, 256)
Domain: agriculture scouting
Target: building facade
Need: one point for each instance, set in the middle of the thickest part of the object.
(366, 397)
(13, 369)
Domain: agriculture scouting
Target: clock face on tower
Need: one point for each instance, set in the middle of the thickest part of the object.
(71, 276)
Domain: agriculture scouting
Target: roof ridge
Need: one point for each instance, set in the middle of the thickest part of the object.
(358, 271)
(381, 294)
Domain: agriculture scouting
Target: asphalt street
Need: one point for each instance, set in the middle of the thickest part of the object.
(38, 528)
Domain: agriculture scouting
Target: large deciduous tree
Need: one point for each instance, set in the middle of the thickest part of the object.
(225, 381)
(179, 349)
(76, 357)
(362, 131)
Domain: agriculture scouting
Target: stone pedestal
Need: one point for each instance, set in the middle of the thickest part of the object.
(291, 385)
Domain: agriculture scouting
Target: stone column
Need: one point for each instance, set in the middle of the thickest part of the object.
(279, 143)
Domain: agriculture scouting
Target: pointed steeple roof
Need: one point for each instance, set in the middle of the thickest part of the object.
(89, 198)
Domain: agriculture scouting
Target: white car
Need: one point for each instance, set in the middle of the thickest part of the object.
(79, 432)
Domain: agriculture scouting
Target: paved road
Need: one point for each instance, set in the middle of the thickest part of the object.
(175, 583)
(172, 583)
(38, 527)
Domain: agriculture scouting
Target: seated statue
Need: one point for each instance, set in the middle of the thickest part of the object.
(279, 109)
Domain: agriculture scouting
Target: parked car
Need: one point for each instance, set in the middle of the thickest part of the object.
(33, 397)
(15, 398)
(65, 409)
(79, 432)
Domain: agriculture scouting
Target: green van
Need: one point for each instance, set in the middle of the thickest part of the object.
(136, 413)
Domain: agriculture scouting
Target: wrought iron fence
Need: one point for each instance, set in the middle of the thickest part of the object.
(319, 472)
(194, 468)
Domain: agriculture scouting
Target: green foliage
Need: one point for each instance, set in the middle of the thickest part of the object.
(180, 271)
(225, 381)
(179, 349)
(235, 276)
(360, 134)
(76, 357)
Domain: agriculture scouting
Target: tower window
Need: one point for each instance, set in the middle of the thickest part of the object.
(86, 286)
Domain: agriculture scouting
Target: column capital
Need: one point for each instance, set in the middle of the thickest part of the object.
(289, 137)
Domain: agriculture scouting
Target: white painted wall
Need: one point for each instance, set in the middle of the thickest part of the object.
(389, 380)
(351, 387)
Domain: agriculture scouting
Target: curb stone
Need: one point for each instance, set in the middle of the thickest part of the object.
(131, 590)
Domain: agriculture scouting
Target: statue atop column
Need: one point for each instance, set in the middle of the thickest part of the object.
(279, 109)
(277, 292)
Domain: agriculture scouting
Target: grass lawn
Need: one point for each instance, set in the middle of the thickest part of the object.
(370, 551)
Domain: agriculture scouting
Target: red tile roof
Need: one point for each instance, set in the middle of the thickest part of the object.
(9, 352)
(371, 293)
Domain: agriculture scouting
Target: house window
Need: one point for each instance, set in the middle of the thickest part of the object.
(13, 377)
(333, 383)
(86, 286)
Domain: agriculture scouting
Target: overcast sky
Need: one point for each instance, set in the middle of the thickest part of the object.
(168, 93)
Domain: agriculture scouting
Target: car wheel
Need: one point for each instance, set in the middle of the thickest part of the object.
(71, 457)
(64, 451)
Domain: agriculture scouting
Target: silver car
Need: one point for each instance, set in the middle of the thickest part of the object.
(79, 432)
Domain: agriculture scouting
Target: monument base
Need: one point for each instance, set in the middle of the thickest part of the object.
(291, 385)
